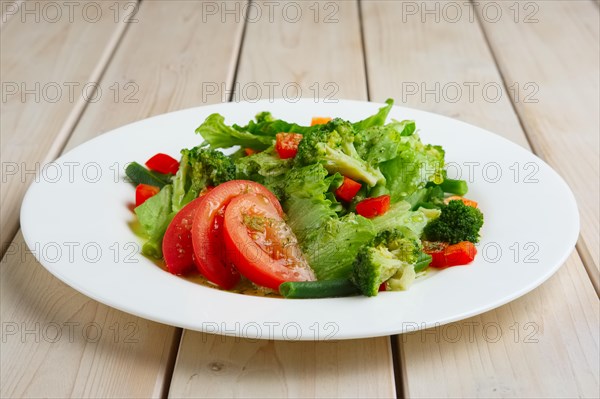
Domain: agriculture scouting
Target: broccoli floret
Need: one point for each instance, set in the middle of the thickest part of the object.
(199, 168)
(390, 252)
(333, 146)
(266, 168)
(457, 222)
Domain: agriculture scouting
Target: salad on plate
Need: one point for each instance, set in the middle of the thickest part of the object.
(337, 208)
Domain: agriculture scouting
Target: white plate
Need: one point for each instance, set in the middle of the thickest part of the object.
(75, 219)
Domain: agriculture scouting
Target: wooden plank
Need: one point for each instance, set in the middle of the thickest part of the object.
(132, 357)
(555, 353)
(212, 366)
(49, 64)
(562, 120)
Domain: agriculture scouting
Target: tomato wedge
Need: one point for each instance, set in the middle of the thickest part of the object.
(210, 254)
(372, 207)
(143, 192)
(163, 163)
(177, 243)
(286, 144)
(348, 189)
(261, 245)
(444, 255)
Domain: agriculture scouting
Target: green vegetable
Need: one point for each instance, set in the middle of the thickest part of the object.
(332, 145)
(219, 135)
(415, 166)
(318, 289)
(400, 215)
(375, 120)
(138, 174)
(331, 250)
(457, 222)
(198, 169)
(429, 197)
(268, 126)
(392, 253)
(266, 168)
(381, 143)
(422, 262)
(329, 242)
(154, 216)
(457, 187)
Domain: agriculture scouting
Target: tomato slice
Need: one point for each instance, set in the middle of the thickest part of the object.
(348, 189)
(372, 207)
(444, 255)
(287, 144)
(143, 192)
(210, 254)
(261, 245)
(177, 243)
(319, 120)
(163, 163)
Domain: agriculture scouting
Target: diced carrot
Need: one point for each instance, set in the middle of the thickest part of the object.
(319, 120)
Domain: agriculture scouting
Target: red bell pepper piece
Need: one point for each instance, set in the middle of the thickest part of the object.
(445, 255)
(287, 144)
(163, 163)
(347, 190)
(372, 207)
(143, 192)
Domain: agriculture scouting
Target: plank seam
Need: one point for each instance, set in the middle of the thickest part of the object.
(580, 247)
(172, 360)
(239, 56)
(364, 47)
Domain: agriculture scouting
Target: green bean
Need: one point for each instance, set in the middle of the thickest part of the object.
(318, 289)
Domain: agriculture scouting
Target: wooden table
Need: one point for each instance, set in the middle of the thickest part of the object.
(73, 70)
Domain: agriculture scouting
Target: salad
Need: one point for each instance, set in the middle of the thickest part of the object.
(336, 208)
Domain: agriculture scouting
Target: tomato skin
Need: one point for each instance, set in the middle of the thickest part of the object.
(177, 248)
(319, 120)
(210, 255)
(372, 207)
(348, 189)
(163, 163)
(465, 201)
(287, 144)
(444, 255)
(265, 252)
(143, 192)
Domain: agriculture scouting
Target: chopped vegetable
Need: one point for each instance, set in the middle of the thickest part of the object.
(163, 163)
(287, 144)
(318, 289)
(444, 255)
(143, 192)
(319, 120)
(372, 207)
(457, 222)
(333, 146)
(348, 190)
(458, 187)
(140, 175)
(390, 253)
(465, 201)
